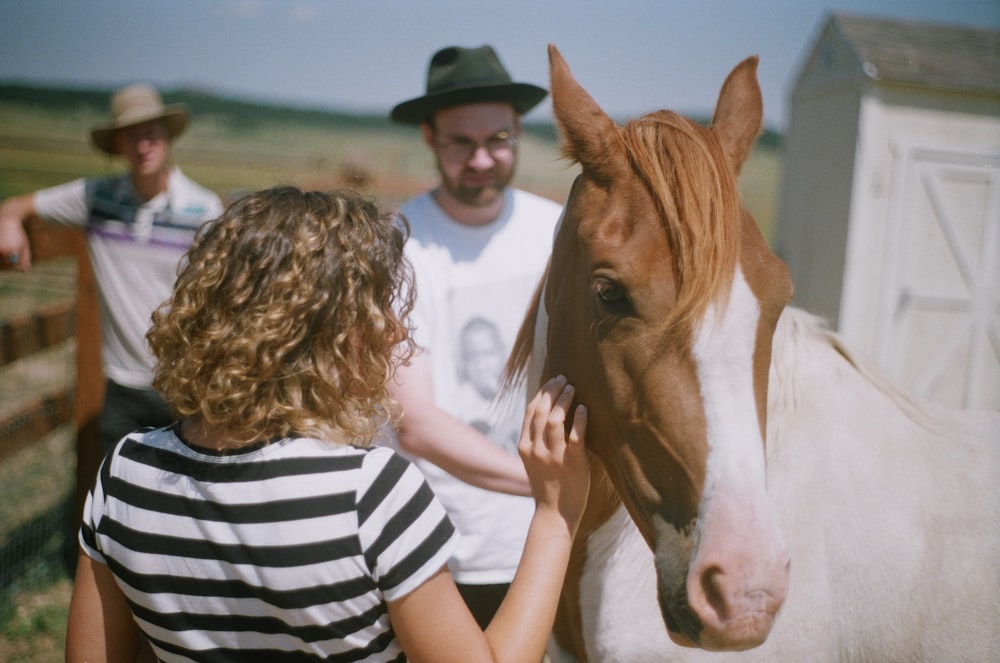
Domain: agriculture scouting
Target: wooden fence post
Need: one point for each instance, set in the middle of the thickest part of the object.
(89, 374)
(49, 241)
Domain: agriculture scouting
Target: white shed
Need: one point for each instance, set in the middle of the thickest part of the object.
(889, 216)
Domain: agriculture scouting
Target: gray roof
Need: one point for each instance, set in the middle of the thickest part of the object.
(953, 57)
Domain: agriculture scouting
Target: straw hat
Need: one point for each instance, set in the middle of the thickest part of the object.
(135, 104)
(458, 76)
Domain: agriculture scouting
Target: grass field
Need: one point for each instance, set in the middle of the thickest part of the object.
(41, 146)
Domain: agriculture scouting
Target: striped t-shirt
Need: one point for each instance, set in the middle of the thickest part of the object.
(287, 551)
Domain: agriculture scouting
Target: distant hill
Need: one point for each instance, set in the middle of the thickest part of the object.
(248, 114)
(236, 112)
(200, 103)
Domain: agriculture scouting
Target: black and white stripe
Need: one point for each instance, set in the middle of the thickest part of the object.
(285, 552)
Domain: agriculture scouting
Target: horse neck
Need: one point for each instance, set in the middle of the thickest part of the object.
(809, 362)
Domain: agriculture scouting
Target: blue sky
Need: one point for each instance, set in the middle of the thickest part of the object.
(633, 56)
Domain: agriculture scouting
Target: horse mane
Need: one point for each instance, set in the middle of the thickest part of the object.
(516, 367)
(685, 169)
(802, 339)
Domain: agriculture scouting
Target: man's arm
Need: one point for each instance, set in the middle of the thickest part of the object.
(13, 238)
(431, 433)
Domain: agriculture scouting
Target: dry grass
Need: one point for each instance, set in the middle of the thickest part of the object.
(36, 631)
(33, 609)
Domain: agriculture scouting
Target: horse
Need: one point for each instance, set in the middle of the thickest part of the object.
(756, 486)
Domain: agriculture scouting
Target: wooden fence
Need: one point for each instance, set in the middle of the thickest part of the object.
(30, 333)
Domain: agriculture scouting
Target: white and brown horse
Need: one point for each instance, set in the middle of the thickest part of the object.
(749, 464)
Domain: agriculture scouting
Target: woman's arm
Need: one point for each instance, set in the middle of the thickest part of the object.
(433, 623)
(100, 627)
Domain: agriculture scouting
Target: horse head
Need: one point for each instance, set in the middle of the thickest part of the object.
(661, 299)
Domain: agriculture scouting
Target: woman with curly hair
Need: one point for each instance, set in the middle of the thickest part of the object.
(262, 526)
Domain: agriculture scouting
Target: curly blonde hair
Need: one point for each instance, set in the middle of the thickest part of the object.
(288, 317)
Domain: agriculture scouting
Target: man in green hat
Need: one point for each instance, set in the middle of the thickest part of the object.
(478, 248)
(138, 225)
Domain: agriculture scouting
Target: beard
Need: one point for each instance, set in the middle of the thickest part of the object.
(464, 189)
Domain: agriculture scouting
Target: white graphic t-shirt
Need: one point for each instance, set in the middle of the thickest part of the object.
(474, 285)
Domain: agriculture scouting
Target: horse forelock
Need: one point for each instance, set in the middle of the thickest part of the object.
(685, 170)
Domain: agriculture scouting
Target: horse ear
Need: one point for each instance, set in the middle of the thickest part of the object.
(739, 114)
(588, 134)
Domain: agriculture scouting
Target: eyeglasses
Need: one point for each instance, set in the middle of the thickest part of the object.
(462, 149)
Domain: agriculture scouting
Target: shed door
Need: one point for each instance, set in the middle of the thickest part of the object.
(940, 327)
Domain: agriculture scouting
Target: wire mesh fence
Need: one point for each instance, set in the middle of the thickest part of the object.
(37, 518)
(38, 513)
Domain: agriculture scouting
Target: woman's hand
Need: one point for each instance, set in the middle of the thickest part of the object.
(557, 465)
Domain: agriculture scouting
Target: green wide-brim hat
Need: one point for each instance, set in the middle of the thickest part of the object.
(458, 76)
(135, 104)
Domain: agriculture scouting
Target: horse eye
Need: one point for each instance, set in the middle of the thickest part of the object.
(610, 292)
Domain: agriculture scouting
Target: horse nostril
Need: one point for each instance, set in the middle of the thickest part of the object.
(734, 614)
(714, 594)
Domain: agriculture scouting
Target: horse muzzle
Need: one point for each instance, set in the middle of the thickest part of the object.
(715, 601)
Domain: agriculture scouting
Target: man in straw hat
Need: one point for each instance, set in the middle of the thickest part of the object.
(478, 248)
(138, 225)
